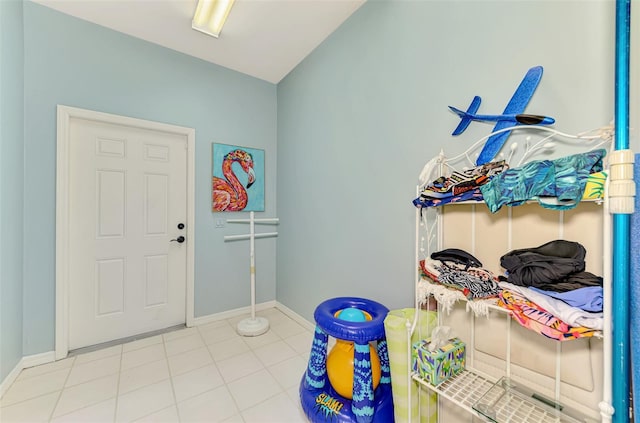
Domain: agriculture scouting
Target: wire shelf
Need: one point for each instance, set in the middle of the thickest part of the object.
(508, 401)
(464, 389)
(501, 402)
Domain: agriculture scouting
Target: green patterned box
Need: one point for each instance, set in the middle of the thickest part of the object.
(437, 366)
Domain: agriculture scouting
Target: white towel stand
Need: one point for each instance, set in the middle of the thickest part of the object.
(252, 326)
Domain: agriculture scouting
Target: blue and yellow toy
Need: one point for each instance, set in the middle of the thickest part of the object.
(352, 383)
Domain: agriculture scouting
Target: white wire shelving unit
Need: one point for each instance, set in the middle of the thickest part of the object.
(471, 388)
(501, 399)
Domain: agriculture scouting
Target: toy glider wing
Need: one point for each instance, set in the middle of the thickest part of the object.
(516, 105)
(466, 118)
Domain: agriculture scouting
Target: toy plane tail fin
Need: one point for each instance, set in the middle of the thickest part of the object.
(466, 117)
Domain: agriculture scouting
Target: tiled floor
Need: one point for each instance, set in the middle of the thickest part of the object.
(202, 374)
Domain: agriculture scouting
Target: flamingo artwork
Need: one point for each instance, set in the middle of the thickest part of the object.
(229, 194)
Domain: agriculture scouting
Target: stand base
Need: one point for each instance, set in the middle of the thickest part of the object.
(253, 327)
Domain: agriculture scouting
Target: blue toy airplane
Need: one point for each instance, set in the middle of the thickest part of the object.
(511, 116)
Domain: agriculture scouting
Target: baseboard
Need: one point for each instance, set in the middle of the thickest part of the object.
(11, 377)
(295, 316)
(25, 363)
(38, 359)
(203, 320)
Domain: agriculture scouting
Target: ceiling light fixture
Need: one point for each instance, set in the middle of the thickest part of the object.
(210, 16)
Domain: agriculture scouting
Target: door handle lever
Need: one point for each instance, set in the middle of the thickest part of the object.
(179, 240)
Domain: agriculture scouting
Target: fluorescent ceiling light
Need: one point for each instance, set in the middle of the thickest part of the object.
(210, 16)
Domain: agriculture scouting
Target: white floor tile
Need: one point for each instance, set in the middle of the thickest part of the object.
(86, 394)
(233, 321)
(144, 401)
(227, 349)
(301, 342)
(144, 375)
(180, 333)
(141, 343)
(94, 369)
(274, 316)
(305, 356)
(176, 377)
(219, 334)
(103, 412)
(278, 409)
(31, 411)
(168, 415)
(294, 393)
(183, 344)
(141, 356)
(34, 387)
(190, 360)
(212, 325)
(239, 366)
(46, 368)
(302, 416)
(98, 354)
(188, 385)
(253, 389)
(287, 328)
(212, 406)
(234, 419)
(289, 373)
(261, 340)
(274, 353)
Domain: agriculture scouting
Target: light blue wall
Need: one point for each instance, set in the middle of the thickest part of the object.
(359, 118)
(11, 177)
(76, 63)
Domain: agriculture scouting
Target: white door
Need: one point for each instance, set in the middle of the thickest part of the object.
(127, 202)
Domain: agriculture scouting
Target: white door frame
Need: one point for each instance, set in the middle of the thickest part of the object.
(65, 114)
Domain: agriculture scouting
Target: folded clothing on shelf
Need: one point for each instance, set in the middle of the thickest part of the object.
(459, 186)
(589, 298)
(562, 180)
(425, 202)
(572, 316)
(466, 180)
(532, 316)
(594, 189)
(572, 282)
(447, 297)
(556, 266)
(473, 282)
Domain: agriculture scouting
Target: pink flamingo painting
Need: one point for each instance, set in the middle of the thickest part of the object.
(229, 194)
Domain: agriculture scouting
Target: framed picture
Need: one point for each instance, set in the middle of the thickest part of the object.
(238, 178)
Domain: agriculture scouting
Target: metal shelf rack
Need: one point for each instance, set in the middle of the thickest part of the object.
(501, 401)
(473, 388)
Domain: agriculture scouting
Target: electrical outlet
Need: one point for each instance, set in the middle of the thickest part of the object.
(219, 223)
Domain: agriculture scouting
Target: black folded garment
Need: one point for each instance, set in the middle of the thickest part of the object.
(557, 266)
(571, 282)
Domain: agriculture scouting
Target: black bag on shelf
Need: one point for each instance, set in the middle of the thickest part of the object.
(457, 256)
(550, 262)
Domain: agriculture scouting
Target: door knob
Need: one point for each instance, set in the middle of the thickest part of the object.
(179, 240)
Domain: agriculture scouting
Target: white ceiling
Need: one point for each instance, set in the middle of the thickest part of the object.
(262, 38)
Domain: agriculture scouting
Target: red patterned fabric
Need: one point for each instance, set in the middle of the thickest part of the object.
(532, 316)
